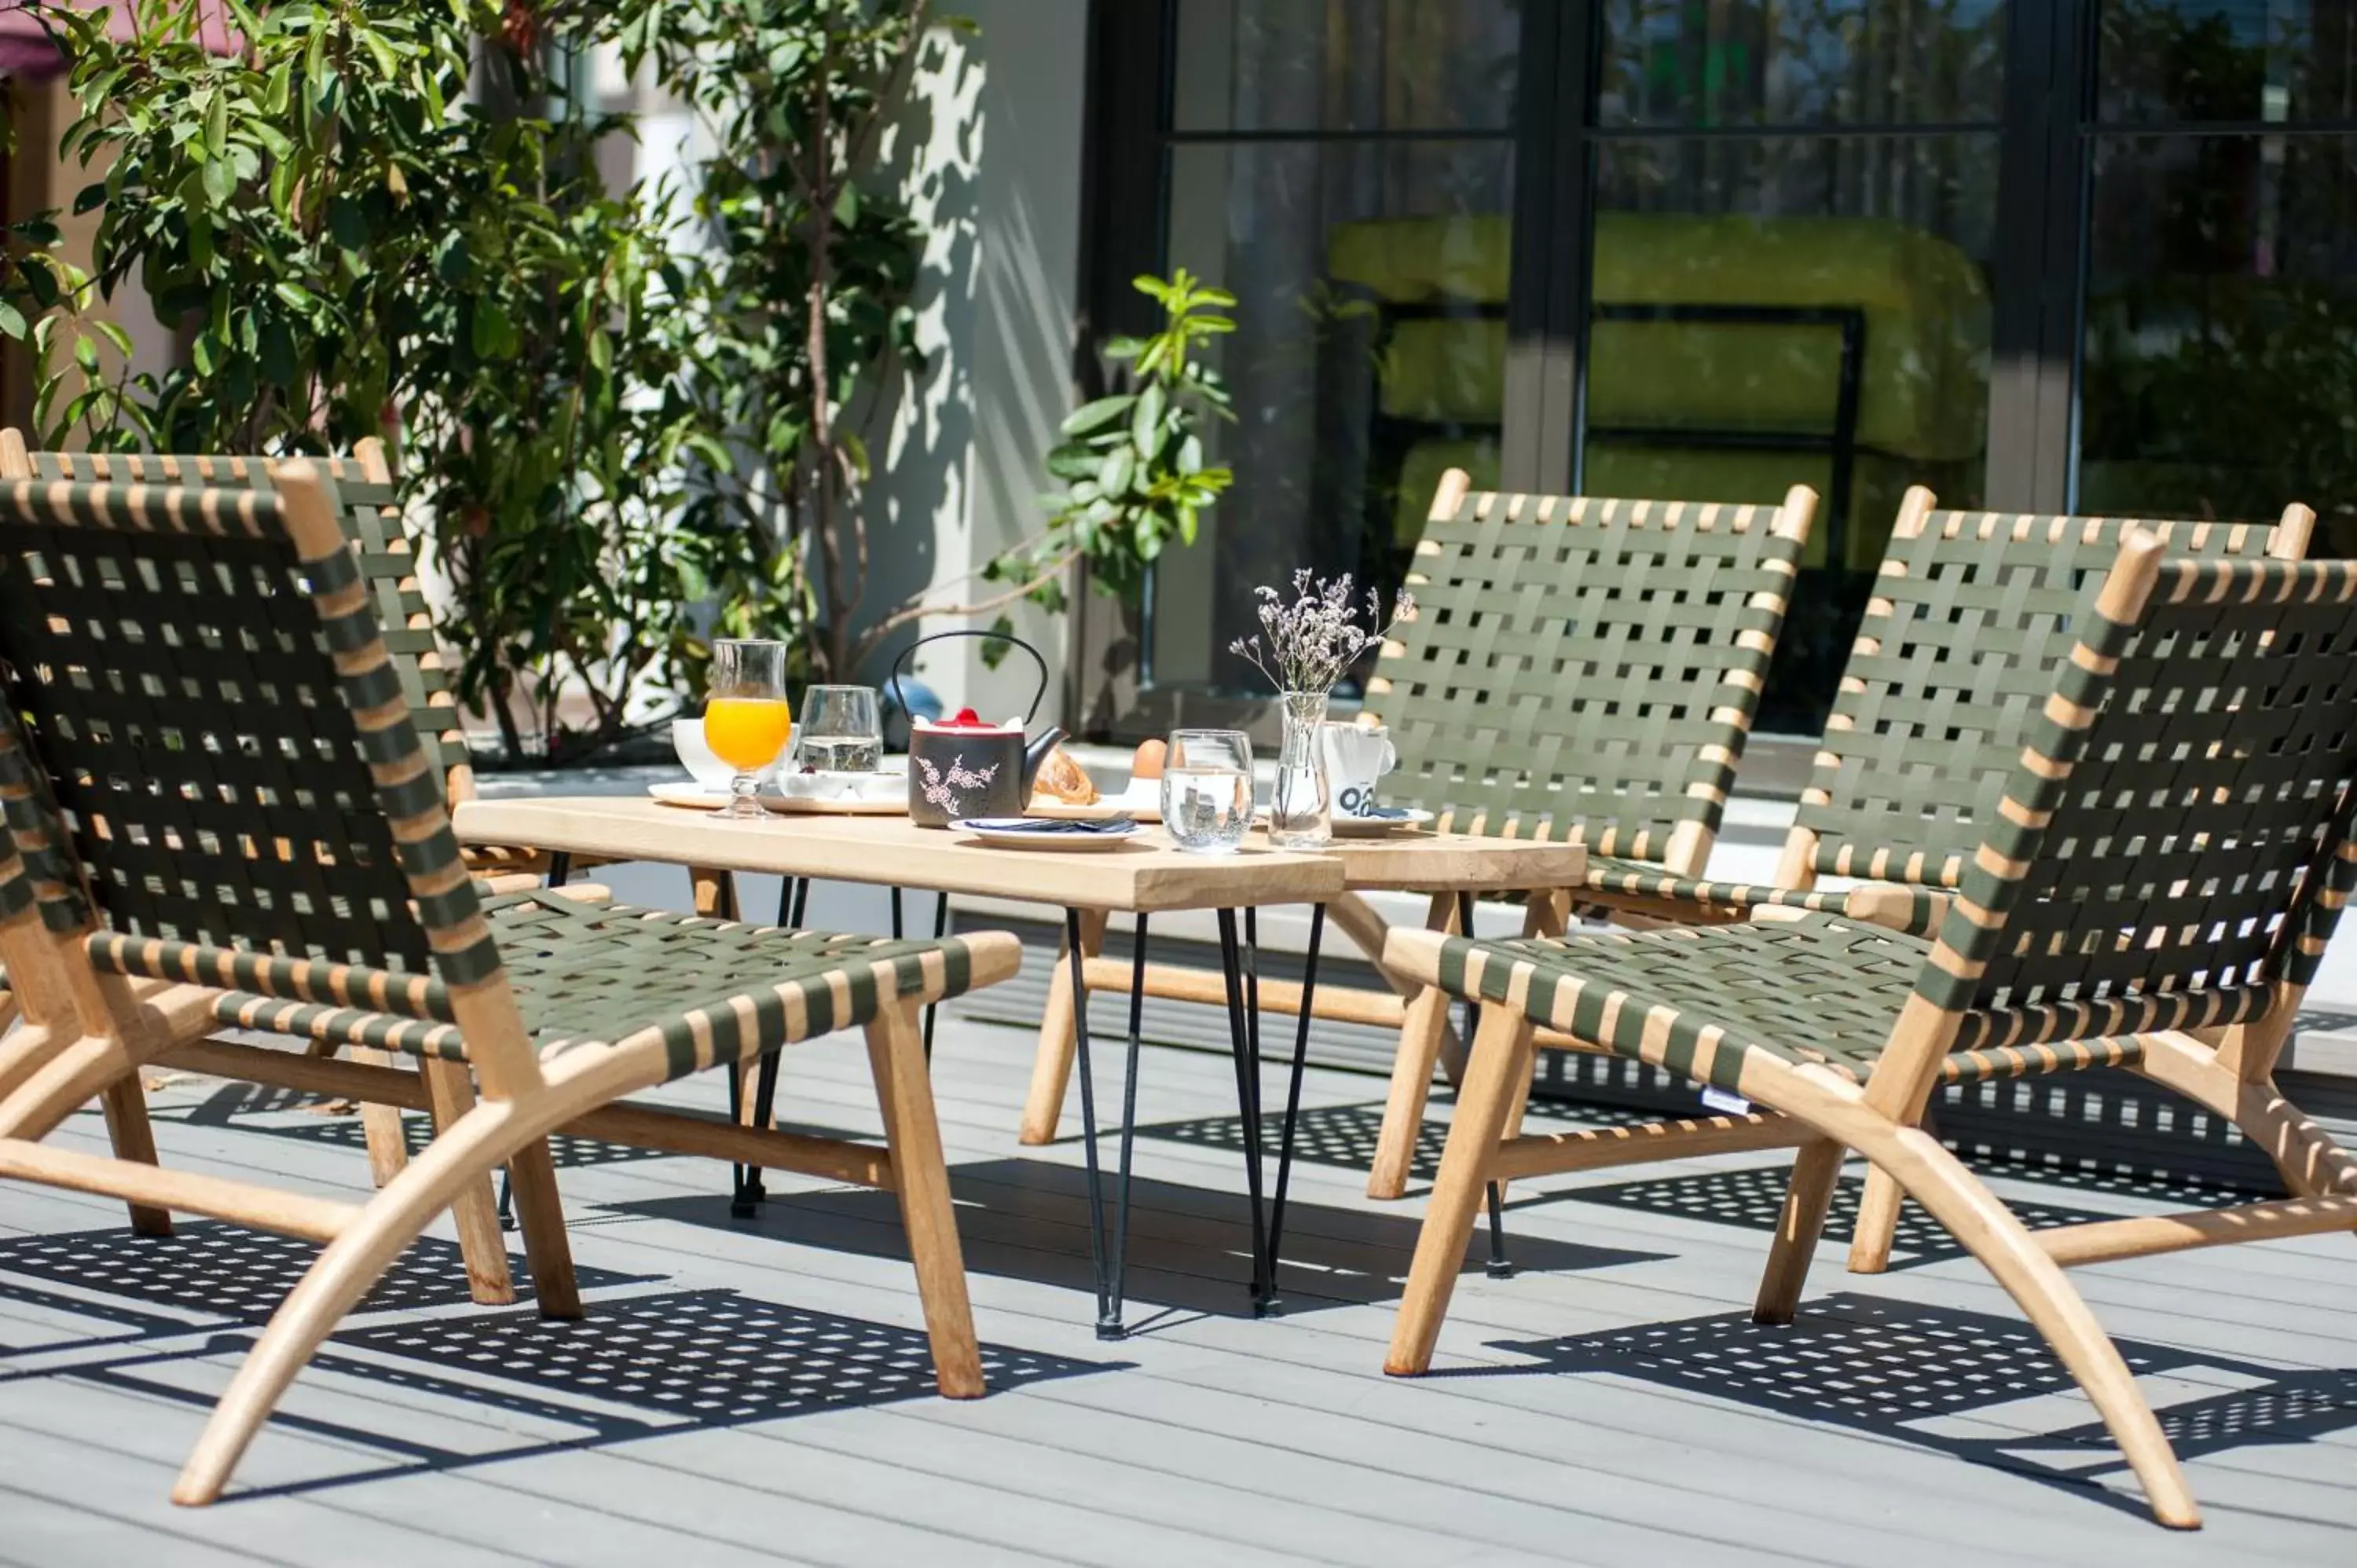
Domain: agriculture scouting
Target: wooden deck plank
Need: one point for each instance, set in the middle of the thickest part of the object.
(1215, 1436)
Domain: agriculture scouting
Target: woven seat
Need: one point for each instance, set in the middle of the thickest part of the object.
(216, 785)
(2169, 853)
(1916, 910)
(588, 974)
(1693, 999)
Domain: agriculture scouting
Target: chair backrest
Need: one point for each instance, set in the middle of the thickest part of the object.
(368, 508)
(1583, 668)
(210, 719)
(1952, 662)
(2173, 845)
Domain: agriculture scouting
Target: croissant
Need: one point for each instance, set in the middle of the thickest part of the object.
(1061, 779)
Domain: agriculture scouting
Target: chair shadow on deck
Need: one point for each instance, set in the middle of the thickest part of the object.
(1942, 1377)
(1752, 1198)
(1190, 1248)
(255, 1108)
(217, 1269)
(637, 1367)
(1344, 1136)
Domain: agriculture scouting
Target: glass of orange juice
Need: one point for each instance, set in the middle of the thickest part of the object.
(746, 719)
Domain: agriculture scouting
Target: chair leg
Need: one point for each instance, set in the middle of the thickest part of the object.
(539, 1213)
(1877, 1224)
(1424, 1036)
(458, 1161)
(449, 1097)
(127, 1128)
(1499, 1055)
(1810, 1193)
(1051, 1067)
(381, 1126)
(1923, 1170)
(1419, 1052)
(921, 1179)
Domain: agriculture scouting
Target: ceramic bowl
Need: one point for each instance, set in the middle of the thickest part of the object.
(687, 741)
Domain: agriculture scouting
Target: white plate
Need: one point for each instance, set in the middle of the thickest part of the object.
(1376, 827)
(1074, 844)
(688, 792)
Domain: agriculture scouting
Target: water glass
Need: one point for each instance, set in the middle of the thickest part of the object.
(1207, 789)
(746, 717)
(842, 730)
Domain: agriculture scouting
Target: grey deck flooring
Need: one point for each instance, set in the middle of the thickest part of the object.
(756, 1392)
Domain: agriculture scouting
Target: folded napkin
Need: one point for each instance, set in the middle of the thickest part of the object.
(1050, 825)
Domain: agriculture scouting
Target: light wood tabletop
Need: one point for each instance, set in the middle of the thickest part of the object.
(1147, 876)
(1457, 863)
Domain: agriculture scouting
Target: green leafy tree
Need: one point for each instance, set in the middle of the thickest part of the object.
(1133, 462)
(806, 288)
(386, 219)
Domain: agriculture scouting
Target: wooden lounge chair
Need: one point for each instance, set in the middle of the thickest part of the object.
(218, 788)
(2168, 854)
(1579, 671)
(1955, 653)
(368, 510)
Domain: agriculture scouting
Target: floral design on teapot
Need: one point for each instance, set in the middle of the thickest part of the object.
(941, 792)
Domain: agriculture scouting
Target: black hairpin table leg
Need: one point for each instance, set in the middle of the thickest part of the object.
(1499, 1266)
(941, 924)
(1272, 1305)
(1241, 1026)
(1107, 1256)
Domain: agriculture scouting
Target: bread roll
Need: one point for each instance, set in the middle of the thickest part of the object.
(1147, 763)
(1061, 779)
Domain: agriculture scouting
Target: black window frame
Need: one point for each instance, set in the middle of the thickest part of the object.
(2045, 141)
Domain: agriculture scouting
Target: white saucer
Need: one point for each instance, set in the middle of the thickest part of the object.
(689, 793)
(1376, 827)
(1064, 844)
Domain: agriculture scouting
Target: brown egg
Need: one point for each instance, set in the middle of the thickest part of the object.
(1147, 763)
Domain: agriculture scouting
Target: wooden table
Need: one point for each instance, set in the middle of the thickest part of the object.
(1142, 878)
(1452, 868)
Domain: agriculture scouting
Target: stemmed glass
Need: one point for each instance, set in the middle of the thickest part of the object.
(747, 719)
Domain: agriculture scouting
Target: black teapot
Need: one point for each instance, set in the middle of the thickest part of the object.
(963, 767)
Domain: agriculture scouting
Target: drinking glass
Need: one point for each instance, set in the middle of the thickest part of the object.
(842, 730)
(747, 719)
(1207, 789)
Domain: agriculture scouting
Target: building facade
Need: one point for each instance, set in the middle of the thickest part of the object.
(2091, 255)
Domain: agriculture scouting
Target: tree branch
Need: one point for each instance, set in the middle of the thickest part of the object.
(876, 634)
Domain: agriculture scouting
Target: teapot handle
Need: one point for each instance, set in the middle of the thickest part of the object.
(1037, 697)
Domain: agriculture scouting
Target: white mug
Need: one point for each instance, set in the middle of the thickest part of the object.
(1357, 756)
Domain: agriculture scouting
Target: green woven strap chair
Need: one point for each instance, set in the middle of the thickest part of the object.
(2153, 889)
(1955, 653)
(217, 788)
(368, 508)
(1578, 669)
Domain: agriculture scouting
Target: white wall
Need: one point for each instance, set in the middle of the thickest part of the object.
(997, 184)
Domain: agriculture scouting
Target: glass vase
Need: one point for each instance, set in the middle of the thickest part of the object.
(1300, 808)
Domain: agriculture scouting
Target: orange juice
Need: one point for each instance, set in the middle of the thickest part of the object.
(747, 733)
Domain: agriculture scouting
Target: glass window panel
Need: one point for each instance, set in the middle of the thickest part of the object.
(1370, 284)
(1697, 64)
(2252, 60)
(1729, 271)
(1345, 65)
(2217, 376)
